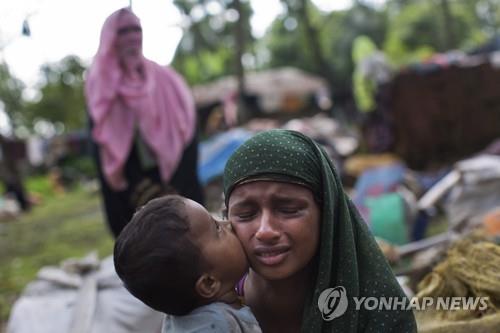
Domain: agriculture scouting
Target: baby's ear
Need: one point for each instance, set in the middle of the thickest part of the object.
(207, 286)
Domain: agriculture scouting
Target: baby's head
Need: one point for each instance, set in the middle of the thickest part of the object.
(174, 256)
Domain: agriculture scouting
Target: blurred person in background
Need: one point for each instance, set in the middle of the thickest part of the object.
(371, 77)
(143, 123)
(12, 152)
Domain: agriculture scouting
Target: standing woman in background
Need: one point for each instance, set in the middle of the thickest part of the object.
(143, 123)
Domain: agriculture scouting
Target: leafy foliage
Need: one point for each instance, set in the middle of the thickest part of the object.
(207, 49)
(61, 96)
(336, 32)
(302, 36)
(419, 29)
(11, 90)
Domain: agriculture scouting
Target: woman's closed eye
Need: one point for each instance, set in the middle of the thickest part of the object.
(243, 216)
(289, 210)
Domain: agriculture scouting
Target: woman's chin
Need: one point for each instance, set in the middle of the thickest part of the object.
(282, 271)
(273, 272)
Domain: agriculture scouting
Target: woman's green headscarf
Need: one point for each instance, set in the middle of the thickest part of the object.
(348, 253)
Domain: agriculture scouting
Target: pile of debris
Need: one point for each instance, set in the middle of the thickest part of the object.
(444, 112)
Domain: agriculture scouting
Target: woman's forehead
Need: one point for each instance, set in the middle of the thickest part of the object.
(268, 189)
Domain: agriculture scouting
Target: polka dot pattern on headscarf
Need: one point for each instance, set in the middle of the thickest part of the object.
(348, 254)
(276, 152)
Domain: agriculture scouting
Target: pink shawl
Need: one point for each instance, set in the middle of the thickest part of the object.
(161, 107)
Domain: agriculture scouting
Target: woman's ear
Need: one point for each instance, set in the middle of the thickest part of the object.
(207, 286)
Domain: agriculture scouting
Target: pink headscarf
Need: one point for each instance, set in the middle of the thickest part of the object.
(161, 105)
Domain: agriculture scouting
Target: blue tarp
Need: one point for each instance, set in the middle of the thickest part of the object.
(215, 152)
(377, 181)
(379, 204)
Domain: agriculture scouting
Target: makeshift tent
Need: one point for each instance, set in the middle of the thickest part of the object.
(275, 89)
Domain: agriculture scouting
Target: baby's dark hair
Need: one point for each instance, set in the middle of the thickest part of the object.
(155, 258)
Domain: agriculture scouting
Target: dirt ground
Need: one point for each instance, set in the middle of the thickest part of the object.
(68, 225)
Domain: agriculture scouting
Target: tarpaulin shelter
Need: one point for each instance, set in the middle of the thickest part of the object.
(275, 89)
(444, 111)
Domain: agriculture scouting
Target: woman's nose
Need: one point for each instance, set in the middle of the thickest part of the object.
(268, 230)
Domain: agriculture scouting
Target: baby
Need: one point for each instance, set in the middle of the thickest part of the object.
(176, 258)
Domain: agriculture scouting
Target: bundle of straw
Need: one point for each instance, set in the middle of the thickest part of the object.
(471, 269)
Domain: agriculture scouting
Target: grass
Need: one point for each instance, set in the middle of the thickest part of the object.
(41, 185)
(63, 226)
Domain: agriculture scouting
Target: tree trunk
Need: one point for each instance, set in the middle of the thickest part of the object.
(313, 40)
(450, 40)
(239, 35)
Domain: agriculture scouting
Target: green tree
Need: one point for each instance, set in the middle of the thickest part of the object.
(303, 12)
(61, 100)
(208, 49)
(340, 31)
(328, 52)
(420, 28)
(289, 40)
(285, 45)
(11, 91)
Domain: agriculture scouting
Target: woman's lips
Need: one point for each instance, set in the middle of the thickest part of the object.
(271, 255)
